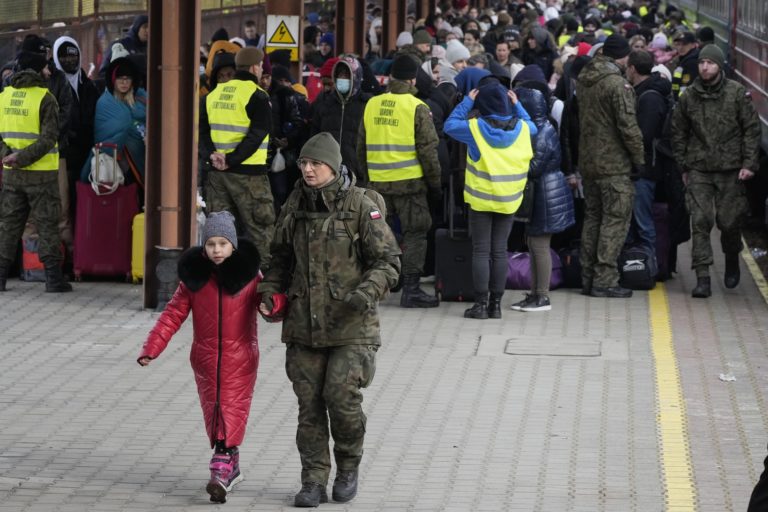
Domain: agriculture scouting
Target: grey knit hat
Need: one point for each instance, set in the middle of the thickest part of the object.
(220, 224)
(323, 148)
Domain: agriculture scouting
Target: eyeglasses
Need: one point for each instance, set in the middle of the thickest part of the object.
(124, 78)
(304, 162)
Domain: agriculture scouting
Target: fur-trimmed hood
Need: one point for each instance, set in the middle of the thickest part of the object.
(195, 269)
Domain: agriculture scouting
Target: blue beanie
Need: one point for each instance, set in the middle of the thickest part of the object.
(492, 100)
(531, 72)
(327, 38)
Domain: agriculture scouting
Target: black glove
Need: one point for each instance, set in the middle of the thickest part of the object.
(638, 171)
(357, 301)
(435, 198)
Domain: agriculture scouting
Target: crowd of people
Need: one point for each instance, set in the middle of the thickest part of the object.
(572, 118)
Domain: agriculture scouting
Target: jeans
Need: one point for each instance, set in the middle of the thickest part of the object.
(642, 230)
(490, 232)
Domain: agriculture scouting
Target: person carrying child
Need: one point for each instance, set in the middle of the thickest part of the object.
(218, 281)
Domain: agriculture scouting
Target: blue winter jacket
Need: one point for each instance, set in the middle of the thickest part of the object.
(553, 210)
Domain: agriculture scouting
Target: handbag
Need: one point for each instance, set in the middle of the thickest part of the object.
(106, 175)
(525, 210)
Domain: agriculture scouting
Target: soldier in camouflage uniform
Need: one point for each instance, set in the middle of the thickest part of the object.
(610, 149)
(397, 152)
(236, 147)
(335, 256)
(29, 130)
(715, 139)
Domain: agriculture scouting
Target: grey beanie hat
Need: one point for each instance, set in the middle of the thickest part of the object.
(323, 148)
(713, 53)
(220, 224)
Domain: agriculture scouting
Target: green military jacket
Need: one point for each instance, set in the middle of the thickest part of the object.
(716, 128)
(610, 140)
(319, 257)
(426, 150)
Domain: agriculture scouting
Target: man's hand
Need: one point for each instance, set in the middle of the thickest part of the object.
(219, 161)
(357, 301)
(11, 161)
(746, 174)
(573, 181)
(144, 361)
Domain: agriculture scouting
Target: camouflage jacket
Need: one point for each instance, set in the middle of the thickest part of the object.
(49, 121)
(610, 140)
(716, 127)
(426, 150)
(330, 242)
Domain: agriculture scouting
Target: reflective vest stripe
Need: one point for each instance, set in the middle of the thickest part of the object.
(229, 121)
(389, 122)
(491, 197)
(20, 124)
(494, 177)
(229, 128)
(495, 182)
(393, 165)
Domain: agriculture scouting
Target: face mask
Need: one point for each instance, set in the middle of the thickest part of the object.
(343, 85)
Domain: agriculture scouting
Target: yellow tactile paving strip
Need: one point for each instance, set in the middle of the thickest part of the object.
(672, 424)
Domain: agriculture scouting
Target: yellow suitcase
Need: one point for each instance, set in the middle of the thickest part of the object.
(137, 249)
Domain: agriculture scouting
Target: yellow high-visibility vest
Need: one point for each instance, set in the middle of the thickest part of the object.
(20, 124)
(229, 121)
(495, 182)
(390, 139)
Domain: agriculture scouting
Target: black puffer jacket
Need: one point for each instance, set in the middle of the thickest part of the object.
(553, 209)
(341, 114)
(654, 98)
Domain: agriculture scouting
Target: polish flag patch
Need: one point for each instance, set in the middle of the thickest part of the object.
(375, 214)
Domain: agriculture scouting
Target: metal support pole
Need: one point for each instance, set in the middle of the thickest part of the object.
(393, 22)
(422, 9)
(171, 169)
(349, 27)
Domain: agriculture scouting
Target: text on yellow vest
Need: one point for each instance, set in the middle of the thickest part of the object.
(20, 124)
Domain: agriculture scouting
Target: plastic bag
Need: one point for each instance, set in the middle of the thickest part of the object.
(278, 162)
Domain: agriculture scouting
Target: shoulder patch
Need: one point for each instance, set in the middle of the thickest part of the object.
(375, 214)
(627, 86)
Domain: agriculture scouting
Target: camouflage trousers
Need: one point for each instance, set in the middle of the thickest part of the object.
(327, 383)
(32, 195)
(715, 198)
(415, 220)
(608, 211)
(249, 199)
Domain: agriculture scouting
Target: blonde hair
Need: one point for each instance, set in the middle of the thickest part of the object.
(127, 97)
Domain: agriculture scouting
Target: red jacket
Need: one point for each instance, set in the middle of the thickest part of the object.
(225, 354)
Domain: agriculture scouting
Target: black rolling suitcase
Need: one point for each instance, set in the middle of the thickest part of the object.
(453, 258)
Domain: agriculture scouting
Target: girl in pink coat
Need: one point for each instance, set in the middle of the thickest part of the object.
(218, 285)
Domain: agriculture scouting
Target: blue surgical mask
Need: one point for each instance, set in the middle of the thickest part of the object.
(343, 85)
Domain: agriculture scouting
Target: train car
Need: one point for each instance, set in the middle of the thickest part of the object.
(741, 30)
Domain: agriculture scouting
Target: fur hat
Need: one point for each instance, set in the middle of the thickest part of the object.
(220, 224)
(324, 148)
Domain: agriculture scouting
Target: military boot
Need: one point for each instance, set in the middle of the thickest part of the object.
(415, 297)
(732, 272)
(479, 310)
(703, 288)
(494, 306)
(311, 495)
(345, 486)
(54, 280)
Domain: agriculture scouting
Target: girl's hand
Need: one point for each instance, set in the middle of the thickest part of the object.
(144, 361)
(512, 96)
(473, 94)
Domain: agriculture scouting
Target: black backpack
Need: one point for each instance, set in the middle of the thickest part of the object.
(663, 144)
(637, 268)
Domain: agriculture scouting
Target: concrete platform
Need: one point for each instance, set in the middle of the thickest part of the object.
(575, 413)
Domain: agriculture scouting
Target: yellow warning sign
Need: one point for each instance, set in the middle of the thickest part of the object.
(282, 35)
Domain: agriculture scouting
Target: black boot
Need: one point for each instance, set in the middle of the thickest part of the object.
(494, 306)
(703, 288)
(345, 486)
(415, 297)
(54, 280)
(311, 494)
(732, 272)
(479, 310)
(3, 276)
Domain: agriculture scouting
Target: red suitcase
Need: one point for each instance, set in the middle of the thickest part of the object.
(103, 231)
